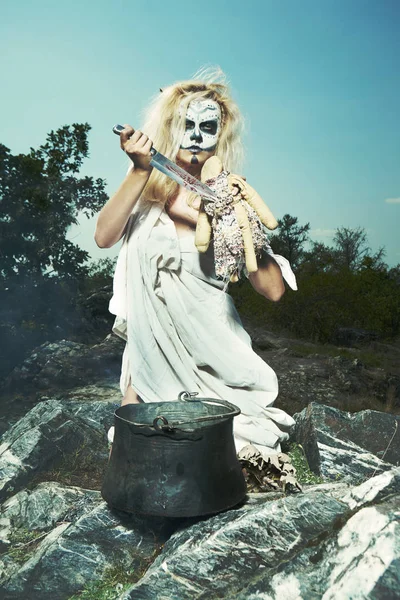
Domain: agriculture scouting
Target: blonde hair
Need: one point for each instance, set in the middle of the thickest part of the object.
(165, 121)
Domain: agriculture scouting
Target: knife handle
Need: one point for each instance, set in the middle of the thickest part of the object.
(118, 128)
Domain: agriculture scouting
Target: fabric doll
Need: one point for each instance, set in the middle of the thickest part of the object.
(235, 222)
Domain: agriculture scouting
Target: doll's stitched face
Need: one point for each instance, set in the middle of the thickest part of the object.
(203, 124)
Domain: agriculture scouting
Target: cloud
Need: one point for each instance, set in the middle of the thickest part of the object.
(323, 232)
(392, 200)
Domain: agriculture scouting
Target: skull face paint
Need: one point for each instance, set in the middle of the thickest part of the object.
(203, 124)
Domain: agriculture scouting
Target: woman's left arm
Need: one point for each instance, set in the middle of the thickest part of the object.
(267, 280)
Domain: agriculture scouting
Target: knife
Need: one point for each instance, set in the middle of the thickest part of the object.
(172, 170)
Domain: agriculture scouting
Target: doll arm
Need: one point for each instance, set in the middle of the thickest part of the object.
(203, 230)
(249, 253)
(256, 202)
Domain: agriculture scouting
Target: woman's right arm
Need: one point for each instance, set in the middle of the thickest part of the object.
(114, 215)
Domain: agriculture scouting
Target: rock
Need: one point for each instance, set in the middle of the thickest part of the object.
(98, 415)
(25, 516)
(65, 364)
(373, 490)
(351, 336)
(46, 435)
(40, 509)
(333, 541)
(263, 339)
(304, 546)
(97, 321)
(358, 558)
(45, 365)
(367, 555)
(340, 382)
(332, 440)
(377, 432)
(72, 555)
(62, 370)
(302, 380)
(101, 391)
(219, 557)
(336, 490)
(266, 341)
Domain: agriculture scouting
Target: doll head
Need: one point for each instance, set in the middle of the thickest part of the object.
(193, 118)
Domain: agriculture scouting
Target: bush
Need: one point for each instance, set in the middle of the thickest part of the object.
(367, 299)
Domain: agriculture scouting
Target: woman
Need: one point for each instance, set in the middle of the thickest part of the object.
(181, 328)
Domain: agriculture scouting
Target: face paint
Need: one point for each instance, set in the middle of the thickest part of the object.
(203, 124)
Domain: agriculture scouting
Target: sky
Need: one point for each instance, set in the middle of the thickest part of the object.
(317, 81)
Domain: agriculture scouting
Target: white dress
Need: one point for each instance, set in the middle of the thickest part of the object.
(183, 331)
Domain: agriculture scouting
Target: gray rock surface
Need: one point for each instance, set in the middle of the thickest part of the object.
(336, 540)
(360, 561)
(332, 539)
(72, 555)
(299, 547)
(30, 516)
(374, 490)
(65, 364)
(62, 370)
(376, 432)
(47, 434)
(332, 440)
(335, 381)
(58, 368)
(217, 557)
(41, 508)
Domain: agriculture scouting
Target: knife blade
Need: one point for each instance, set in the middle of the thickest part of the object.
(172, 170)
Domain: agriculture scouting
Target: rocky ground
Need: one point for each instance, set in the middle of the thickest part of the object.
(339, 538)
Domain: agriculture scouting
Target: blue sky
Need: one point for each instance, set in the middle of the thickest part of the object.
(317, 80)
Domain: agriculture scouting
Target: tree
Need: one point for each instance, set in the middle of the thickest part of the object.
(41, 198)
(352, 250)
(320, 258)
(40, 270)
(290, 239)
(100, 274)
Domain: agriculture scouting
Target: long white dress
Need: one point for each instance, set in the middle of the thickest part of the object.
(183, 331)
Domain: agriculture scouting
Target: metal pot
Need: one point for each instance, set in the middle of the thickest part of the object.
(174, 459)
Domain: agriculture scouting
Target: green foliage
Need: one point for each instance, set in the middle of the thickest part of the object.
(40, 270)
(299, 461)
(352, 250)
(290, 239)
(340, 286)
(23, 543)
(326, 301)
(100, 273)
(116, 579)
(369, 359)
(319, 259)
(41, 197)
(113, 582)
(349, 252)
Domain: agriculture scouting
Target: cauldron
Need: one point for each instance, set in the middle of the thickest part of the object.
(174, 459)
